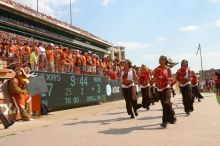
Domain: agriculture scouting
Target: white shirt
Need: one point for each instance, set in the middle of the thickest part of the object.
(186, 76)
(130, 77)
(42, 50)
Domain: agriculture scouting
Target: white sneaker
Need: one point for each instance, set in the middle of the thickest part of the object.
(31, 119)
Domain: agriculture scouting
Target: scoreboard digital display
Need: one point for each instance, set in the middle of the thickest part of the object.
(68, 90)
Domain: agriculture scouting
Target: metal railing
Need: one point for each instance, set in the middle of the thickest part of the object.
(44, 65)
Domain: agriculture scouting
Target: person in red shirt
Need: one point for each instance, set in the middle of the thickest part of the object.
(217, 83)
(129, 89)
(162, 79)
(183, 76)
(153, 90)
(112, 74)
(144, 83)
(195, 89)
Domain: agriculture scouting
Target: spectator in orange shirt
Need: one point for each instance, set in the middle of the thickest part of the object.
(50, 57)
(78, 62)
(70, 58)
(104, 65)
(63, 59)
(98, 66)
(112, 75)
(83, 57)
(89, 62)
(26, 50)
(11, 55)
(12, 50)
(94, 61)
(18, 56)
(57, 53)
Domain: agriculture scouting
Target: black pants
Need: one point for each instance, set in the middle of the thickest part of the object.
(130, 102)
(153, 92)
(146, 98)
(168, 112)
(187, 98)
(196, 93)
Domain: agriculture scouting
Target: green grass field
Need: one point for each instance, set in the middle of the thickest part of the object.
(218, 98)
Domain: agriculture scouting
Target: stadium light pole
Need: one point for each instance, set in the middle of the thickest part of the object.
(37, 5)
(71, 12)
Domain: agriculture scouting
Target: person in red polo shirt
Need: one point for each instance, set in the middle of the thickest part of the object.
(162, 78)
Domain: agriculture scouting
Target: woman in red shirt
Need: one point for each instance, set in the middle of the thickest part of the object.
(183, 76)
(195, 89)
(162, 79)
(144, 82)
(217, 83)
(128, 88)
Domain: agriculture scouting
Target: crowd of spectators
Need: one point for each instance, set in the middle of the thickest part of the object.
(19, 51)
(55, 21)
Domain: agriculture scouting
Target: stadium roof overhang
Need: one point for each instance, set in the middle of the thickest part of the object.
(31, 31)
(38, 19)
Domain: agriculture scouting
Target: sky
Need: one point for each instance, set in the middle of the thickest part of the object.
(148, 28)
